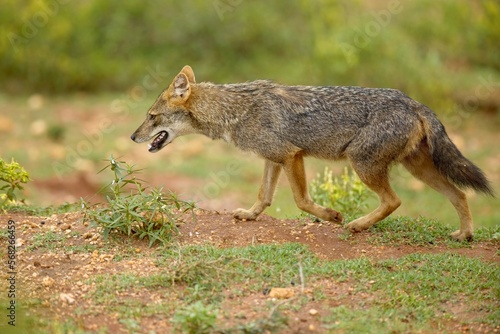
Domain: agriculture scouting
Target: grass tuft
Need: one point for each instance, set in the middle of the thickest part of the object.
(196, 318)
(134, 209)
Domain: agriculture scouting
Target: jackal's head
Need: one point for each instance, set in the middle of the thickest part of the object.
(168, 117)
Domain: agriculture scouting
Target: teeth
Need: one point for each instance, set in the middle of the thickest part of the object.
(159, 138)
(155, 144)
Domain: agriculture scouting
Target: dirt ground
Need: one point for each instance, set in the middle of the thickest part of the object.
(59, 278)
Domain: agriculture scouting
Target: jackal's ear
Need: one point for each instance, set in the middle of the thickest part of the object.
(179, 90)
(188, 71)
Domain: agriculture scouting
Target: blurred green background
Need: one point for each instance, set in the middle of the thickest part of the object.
(426, 48)
(70, 67)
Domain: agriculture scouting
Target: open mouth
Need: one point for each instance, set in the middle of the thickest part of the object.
(158, 143)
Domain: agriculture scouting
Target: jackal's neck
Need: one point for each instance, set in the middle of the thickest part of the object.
(216, 109)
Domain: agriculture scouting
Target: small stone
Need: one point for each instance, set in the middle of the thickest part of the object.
(87, 235)
(48, 281)
(67, 298)
(313, 312)
(19, 242)
(65, 226)
(281, 293)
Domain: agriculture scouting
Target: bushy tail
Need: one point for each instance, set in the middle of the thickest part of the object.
(449, 160)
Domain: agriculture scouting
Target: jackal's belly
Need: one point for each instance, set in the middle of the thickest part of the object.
(323, 144)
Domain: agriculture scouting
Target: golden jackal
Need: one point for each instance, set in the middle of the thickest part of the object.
(372, 128)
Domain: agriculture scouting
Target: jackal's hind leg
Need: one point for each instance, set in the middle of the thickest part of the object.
(421, 166)
(266, 192)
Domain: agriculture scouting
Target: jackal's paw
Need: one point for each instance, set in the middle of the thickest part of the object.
(357, 225)
(334, 216)
(244, 214)
(462, 235)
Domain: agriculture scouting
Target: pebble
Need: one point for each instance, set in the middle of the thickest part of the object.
(65, 226)
(281, 293)
(19, 242)
(48, 281)
(88, 235)
(67, 298)
(313, 312)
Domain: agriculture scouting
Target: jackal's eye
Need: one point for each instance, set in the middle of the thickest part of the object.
(152, 117)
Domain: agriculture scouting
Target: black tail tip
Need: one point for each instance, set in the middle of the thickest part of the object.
(465, 174)
(486, 189)
(480, 183)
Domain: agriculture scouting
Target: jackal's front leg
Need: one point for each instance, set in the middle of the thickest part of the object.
(266, 192)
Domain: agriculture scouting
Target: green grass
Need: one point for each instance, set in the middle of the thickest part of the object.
(53, 241)
(412, 293)
(207, 270)
(47, 241)
(424, 232)
(38, 211)
(196, 318)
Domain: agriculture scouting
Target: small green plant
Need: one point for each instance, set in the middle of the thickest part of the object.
(12, 175)
(49, 240)
(134, 209)
(348, 194)
(196, 318)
